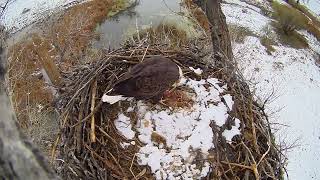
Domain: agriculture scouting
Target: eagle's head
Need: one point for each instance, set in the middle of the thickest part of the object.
(180, 80)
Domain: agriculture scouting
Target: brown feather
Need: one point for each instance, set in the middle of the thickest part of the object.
(149, 79)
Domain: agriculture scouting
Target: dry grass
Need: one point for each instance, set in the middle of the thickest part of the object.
(165, 32)
(72, 35)
(289, 19)
(314, 29)
(268, 40)
(62, 45)
(305, 11)
(44, 128)
(294, 40)
(295, 17)
(27, 89)
(239, 33)
(268, 44)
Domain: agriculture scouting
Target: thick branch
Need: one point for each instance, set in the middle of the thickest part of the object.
(219, 30)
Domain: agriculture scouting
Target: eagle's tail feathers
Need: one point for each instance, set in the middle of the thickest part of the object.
(112, 99)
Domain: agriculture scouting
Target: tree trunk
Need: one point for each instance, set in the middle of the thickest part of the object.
(19, 159)
(219, 29)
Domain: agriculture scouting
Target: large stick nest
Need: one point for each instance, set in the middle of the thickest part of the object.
(252, 155)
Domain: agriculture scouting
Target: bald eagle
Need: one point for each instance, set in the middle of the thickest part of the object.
(147, 80)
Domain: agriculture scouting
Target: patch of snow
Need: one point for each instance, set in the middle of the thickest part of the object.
(313, 5)
(198, 71)
(187, 133)
(130, 109)
(21, 13)
(228, 100)
(295, 80)
(243, 4)
(175, 139)
(123, 125)
(312, 41)
(229, 134)
(238, 13)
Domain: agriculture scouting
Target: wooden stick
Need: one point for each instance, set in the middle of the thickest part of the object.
(93, 99)
(78, 128)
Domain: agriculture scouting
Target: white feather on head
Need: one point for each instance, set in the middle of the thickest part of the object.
(180, 72)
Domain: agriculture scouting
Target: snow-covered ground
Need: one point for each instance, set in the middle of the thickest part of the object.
(21, 13)
(175, 138)
(236, 10)
(295, 78)
(313, 5)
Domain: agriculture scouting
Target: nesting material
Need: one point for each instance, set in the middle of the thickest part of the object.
(208, 127)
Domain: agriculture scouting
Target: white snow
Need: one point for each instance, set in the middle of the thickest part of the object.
(130, 109)
(21, 13)
(186, 133)
(198, 71)
(228, 100)
(313, 5)
(123, 124)
(294, 78)
(238, 13)
(229, 134)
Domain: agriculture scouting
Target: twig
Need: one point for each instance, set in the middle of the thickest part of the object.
(78, 128)
(264, 155)
(93, 100)
(89, 116)
(144, 54)
(131, 167)
(238, 165)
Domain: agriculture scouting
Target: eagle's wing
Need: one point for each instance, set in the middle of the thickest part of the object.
(135, 71)
(148, 79)
(155, 79)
